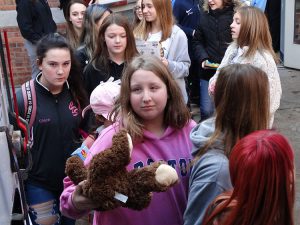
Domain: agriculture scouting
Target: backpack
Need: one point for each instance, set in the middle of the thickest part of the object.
(29, 96)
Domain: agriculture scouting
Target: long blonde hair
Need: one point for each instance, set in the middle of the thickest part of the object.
(165, 15)
(254, 32)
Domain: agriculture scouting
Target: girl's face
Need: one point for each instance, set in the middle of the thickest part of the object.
(148, 96)
(55, 67)
(138, 9)
(215, 4)
(236, 25)
(100, 21)
(149, 11)
(115, 39)
(77, 11)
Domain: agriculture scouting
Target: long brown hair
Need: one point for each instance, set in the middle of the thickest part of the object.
(101, 55)
(176, 114)
(72, 36)
(165, 15)
(242, 104)
(254, 32)
(267, 159)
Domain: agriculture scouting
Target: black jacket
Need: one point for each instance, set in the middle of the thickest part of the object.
(212, 37)
(82, 57)
(55, 135)
(34, 19)
(93, 77)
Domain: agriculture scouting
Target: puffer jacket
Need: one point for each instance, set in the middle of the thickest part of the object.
(212, 37)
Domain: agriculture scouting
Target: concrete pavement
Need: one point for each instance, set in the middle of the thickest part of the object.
(287, 120)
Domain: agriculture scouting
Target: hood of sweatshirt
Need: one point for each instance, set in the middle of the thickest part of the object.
(202, 133)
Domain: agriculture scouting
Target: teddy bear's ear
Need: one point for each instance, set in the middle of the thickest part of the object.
(130, 143)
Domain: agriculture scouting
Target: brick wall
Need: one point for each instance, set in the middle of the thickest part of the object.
(19, 59)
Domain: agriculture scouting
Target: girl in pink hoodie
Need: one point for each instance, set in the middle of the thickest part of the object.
(153, 111)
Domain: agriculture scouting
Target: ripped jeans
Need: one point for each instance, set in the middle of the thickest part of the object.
(44, 207)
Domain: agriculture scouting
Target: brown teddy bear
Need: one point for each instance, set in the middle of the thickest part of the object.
(110, 184)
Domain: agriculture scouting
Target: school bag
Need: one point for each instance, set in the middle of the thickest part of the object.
(29, 96)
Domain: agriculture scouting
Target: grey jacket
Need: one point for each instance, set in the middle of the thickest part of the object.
(178, 58)
(209, 176)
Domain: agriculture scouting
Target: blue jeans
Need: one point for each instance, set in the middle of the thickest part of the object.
(206, 104)
(44, 206)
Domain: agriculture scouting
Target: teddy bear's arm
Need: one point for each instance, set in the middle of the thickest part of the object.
(142, 183)
(144, 179)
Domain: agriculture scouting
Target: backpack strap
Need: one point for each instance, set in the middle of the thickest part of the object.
(29, 96)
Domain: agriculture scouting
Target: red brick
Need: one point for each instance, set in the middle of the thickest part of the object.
(19, 59)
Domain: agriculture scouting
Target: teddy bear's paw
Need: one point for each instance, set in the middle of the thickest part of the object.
(75, 169)
(166, 175)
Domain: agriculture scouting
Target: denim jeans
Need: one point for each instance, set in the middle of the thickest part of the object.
(31, 52)
(44, 206)
(206, 104)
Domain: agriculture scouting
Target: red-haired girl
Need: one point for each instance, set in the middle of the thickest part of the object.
(262, 173)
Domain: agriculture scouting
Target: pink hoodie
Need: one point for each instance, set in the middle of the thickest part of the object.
(166, 208)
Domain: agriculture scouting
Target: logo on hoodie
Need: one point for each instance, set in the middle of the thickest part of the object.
(189, 12)
(181, 165)
(73, 109)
